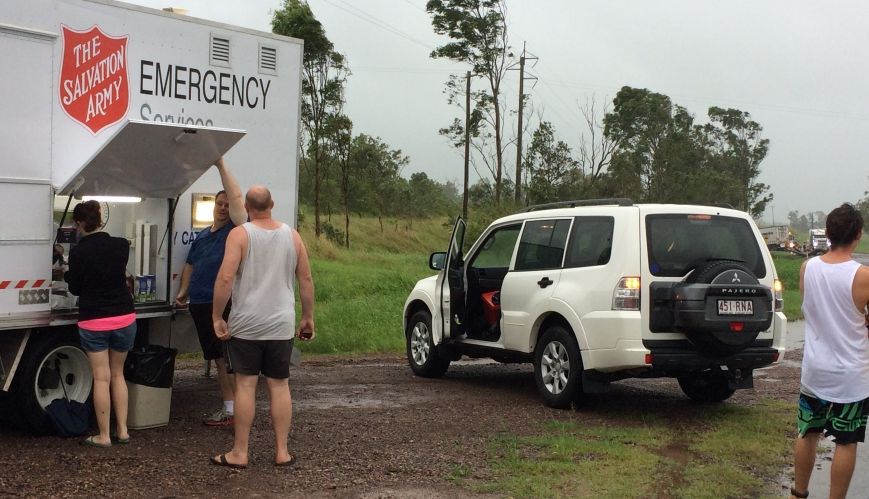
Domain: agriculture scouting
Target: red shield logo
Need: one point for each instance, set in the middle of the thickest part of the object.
(94, 89)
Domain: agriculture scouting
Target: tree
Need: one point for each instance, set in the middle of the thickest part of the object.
(740, 148)
(339, 132)
(550, 165)
(324, 73)
(596, 148)
(657, 159)
(381, 167)
(479, 33)
(863, 207)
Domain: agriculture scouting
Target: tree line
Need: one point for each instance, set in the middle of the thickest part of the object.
(642, 145)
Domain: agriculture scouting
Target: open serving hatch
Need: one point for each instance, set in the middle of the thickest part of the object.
(151, 160)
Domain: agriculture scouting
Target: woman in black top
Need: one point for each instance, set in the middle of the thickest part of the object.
(106, 316)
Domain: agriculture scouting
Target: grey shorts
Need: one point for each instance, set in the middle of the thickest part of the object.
(252, 357)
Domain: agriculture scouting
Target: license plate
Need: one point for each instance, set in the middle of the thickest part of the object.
(735, 307)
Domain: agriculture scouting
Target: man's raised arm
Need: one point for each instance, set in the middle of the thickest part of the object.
(237, 213)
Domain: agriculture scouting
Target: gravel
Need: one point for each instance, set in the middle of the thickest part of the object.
(363, 427)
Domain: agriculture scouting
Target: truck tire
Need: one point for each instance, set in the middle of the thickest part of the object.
(51, 358)
(705, 387)
(558, 368)
(719, 340)
(422, 354)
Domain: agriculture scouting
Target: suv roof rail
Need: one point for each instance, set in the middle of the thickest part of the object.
(580, 202)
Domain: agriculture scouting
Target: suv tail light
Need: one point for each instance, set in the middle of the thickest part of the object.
(778, 297)
(627, 294)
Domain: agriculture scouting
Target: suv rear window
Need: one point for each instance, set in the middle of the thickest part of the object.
(542, 244)
(679, 243)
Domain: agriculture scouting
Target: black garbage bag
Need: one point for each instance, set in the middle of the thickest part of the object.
(152, 365)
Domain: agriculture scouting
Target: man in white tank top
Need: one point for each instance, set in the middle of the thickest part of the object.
(262, 260)
(834, 392)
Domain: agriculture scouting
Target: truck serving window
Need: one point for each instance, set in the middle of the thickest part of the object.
(679, 243)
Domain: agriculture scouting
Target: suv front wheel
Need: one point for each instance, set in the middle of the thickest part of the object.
(558, 367)
(422, 354)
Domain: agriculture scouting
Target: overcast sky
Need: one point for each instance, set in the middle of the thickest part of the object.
(799, 68)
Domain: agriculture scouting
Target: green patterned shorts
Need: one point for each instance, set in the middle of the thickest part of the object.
(846, 423)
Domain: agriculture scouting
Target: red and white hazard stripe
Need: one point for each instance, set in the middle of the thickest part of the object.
(25, 284)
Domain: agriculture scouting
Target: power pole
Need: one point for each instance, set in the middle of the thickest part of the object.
(522, 78)
(518, 188)
(467, 141)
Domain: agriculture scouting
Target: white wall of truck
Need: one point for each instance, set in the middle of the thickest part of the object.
(175, 69)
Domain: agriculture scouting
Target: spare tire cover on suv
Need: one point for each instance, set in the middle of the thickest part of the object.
(721, 307)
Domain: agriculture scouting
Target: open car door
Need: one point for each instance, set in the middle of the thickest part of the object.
(148, 159)
(451, 285)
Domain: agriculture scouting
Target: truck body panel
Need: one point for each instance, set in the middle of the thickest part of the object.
(85, 77)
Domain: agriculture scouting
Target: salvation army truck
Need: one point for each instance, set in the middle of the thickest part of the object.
(129, 106)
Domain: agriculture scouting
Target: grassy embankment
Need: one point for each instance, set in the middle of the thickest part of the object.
(360, 291)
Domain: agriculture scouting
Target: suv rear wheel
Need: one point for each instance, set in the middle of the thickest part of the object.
(558, 367)
(707, 386)
(422, 354)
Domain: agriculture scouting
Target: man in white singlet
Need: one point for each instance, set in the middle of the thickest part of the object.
(834, 384)
(262, 260)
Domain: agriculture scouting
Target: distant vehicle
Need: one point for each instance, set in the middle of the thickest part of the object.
(778, 237)
(818, 242)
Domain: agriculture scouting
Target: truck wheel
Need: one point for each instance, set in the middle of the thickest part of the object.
(422, 354)
(558, 368)
(705, 387)
(47, 362)
(722, 341)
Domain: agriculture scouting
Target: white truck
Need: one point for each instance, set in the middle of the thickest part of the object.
(107, 99)
(818, 242)
(777, 237)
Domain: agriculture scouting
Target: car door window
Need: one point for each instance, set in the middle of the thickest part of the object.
(497, 249)
(542, 244)
(591, 242)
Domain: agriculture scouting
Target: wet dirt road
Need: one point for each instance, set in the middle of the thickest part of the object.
(363, 427)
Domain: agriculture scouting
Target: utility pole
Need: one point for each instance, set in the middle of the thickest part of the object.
(467, 141)
(518, 188)
(522, 59)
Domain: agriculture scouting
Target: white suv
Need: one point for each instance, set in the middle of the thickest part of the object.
(597, 291)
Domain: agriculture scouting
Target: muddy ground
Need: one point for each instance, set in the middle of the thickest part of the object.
(363, 427)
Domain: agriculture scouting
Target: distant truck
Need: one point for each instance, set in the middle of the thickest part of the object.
(818, 242)
(778, 237)
(129, 105)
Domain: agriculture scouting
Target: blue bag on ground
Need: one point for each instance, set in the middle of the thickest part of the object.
(70, 418)
(152, 365)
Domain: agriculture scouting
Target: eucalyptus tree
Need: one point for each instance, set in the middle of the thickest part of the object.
(478, 33)
(739, 148)
(324, 74)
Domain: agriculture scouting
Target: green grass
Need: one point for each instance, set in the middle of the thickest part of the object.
(360, 291)
(718, 451)
(788, 268)
(863, 247)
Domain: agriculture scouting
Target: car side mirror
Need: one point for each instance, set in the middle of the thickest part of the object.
(437, 260)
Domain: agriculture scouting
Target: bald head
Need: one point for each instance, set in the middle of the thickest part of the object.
(258, 198)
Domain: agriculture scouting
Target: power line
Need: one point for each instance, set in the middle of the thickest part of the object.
(361, 14)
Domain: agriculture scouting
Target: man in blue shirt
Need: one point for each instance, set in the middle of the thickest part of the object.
(197, 284)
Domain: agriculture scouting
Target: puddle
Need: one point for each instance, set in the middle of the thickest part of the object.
(361, 396)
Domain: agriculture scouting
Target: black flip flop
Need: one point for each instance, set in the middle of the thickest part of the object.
(221, 461)
(291, 461)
